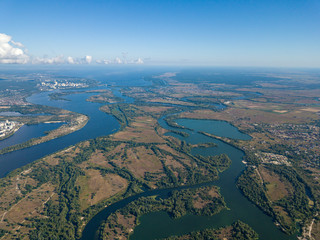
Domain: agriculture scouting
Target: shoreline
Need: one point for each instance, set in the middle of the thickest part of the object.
(16, 128)
(63, 130)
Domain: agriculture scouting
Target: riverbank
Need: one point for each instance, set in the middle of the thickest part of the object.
(76, 124)
(144, 158)
(10, 133)
(227, 180)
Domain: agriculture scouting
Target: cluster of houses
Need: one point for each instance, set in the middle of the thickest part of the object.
(6, 127)
(60, 85)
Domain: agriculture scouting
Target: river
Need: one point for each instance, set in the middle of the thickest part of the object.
(101, 124)
(157, 225)
(160, 225)
(27, 132)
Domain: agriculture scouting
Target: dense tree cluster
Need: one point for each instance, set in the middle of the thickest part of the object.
(239, 231)
(296, 204)
(178, 204)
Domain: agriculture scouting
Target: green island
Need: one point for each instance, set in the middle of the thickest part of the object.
(56, 196)
(201, 201)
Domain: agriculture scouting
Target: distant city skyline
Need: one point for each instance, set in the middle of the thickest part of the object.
(212, 33)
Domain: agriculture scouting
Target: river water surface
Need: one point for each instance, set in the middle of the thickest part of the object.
(158, 224)
(27, 132)
(99, 124)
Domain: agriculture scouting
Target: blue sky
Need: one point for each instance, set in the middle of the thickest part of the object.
(217, 32)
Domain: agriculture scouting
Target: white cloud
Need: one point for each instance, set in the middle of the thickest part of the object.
(48, 60)
(88, 59)
(70, 60)
(62, 60)
(84, 60)
(18, 44)
(15, 52)
(139, 61)
(117, 60)
(103, 61)
(10, 51)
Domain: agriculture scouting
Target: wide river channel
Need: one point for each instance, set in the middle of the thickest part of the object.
(158, 224)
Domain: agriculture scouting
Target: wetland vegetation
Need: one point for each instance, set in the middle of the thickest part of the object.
(56, 196)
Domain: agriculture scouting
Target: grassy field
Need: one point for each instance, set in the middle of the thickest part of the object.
(282, 118)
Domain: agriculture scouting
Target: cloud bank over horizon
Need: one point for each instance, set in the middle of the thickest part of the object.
(12, 52)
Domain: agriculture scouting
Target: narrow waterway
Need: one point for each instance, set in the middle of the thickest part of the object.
(160, 225)
(101, 124)
(157, 225)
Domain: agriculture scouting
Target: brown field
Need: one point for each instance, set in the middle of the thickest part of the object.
(141, 130)
(124, 225)
(126, 221)
(244, 117)
(189, 90)
(52, 160)
(199, 203)
(139, 93)
(68, 155)
(171, 162)
(105, 108)
(98, 158)
(207, 114)
(31, 205)
(116, 151)
(316, 229)
(104, 96)
(101, 98)
(260, 141)
(313, 110)
(176, 154)
(171, 101)
(258, 105)
(105, 92)
(283, 213)
(153, 109)
(315, 173)
(214, 192)
(280, 111)
(12, 190)
(225, 233)
(139, 160)
(275, 106)
(277, 187)
(95, 187)
(280, 92)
